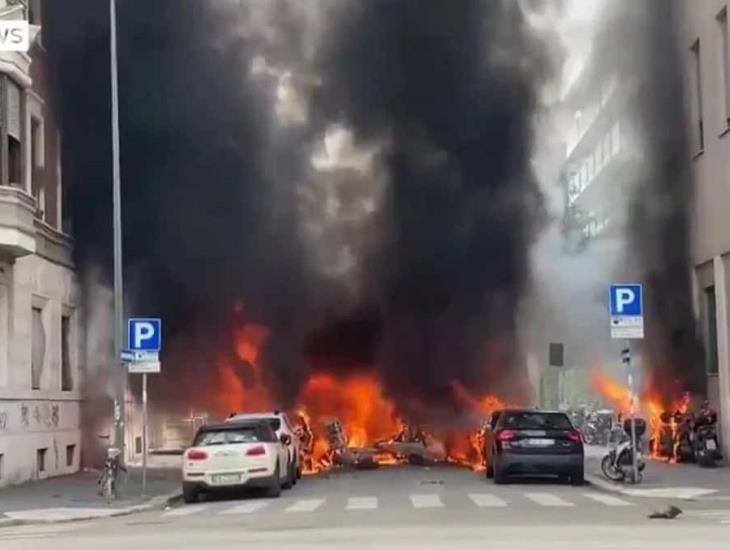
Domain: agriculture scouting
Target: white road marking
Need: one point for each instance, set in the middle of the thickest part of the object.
(608, 500)
(187, 510)
(362, 503)
(547, 499)
(486, 500)
(426, 501)
(247, 507)
(306, 505)
(38, 531)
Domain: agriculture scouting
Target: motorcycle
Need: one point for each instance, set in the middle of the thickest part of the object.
(706, 448)
(617, 464)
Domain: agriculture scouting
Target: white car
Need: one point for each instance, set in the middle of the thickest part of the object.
(281, 424)
(236, 455)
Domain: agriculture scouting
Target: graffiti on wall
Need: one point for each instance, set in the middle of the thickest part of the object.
(27, 416)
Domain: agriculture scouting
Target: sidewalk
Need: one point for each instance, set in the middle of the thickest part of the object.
(663, 480)
(75, 497)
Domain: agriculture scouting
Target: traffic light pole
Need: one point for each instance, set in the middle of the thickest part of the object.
(626, 352)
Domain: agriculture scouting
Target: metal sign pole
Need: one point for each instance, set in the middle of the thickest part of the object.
(144, 435)
(632, 414)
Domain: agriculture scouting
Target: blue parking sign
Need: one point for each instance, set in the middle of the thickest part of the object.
(626, 300)
(627, 311)
(144, 334)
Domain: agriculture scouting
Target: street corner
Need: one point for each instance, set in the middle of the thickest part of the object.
(669, 492)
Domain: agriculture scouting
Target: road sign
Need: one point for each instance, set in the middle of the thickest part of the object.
(627, 311)
(556, 354)
(144, 334)
(144, 367)
(130, 356)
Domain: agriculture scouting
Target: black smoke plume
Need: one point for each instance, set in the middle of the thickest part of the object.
(446, 92)
(450, 89)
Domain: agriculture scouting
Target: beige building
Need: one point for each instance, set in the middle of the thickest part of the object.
(704, 41)
(39, 296)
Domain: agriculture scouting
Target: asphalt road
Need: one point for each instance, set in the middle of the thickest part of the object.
(403, 508)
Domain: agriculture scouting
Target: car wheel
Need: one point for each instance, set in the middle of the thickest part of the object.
(577, 479)
(294, 477)
(274, 489)
(500, 478)
(289, 480)
(190, 494)
(490, 472)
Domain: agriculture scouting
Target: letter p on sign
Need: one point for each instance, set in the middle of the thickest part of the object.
(624, 297)
(626, 300)
(144, 334)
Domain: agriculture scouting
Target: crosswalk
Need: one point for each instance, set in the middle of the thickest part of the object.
(417, 501)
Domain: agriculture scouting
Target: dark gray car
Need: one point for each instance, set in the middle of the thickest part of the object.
(530, 442)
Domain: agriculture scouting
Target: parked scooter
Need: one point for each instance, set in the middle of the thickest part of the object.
(617, 465)
(706, 447)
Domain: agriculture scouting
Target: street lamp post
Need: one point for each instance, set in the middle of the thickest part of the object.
(119, 375)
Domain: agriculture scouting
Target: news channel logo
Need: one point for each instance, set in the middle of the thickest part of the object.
(14, 36)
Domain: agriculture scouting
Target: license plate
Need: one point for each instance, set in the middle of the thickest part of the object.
(226, 478)
(711, 445)
(540, 442)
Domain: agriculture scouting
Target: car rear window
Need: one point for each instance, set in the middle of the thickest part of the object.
(274, 422)
(229, 437)
(535, 421)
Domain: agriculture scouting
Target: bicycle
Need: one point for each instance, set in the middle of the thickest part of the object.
(108, 479)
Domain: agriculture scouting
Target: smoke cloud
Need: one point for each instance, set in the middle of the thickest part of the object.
(635, 69)
(354, 175)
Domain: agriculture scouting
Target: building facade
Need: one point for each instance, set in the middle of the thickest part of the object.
(704, 43)
(40, 394)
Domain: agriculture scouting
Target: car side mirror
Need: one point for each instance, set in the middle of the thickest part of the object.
(285, 439)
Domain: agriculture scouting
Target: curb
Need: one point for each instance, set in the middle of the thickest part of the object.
(690, 493)
(154, 503)
(607, 486)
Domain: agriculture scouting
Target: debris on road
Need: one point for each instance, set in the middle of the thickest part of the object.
(670, 512)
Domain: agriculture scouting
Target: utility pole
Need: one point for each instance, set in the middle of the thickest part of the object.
(119, 374)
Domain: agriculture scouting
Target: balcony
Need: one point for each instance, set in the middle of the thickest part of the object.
(17, 227)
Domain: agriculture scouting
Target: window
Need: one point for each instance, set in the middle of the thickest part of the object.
(2, 456)
(695, 91)
(3, 332)
(36, 143)
(13, 126)
(710, 331)
(38, 352)
(40, 460)
(724, 57)
(34, 12)
(70, 455)
(14, 162)
(66, 374)
(138, 445)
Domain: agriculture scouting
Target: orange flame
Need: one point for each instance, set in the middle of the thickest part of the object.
(359, 401)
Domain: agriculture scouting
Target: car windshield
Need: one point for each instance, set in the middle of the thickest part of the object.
(275, 423)
(228, 437)
(536, 421)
